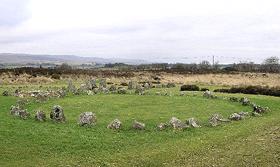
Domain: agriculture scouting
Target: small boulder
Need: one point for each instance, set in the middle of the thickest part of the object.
(217, 119)
(138, 125)
(245, 101)
(57, 114)
(121, 90)
(130, 85)
(23, 114)
(162, 126)
(259, 109)
(193, 123)
(14, 110)
(209, 94)
(235, 117)
(233, 99)
(87, 118)
(177, 123)
(115, 124)
(40, 116)
(113, 88)
(139, 90)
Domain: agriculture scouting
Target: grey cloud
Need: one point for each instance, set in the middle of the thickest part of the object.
(13, 12)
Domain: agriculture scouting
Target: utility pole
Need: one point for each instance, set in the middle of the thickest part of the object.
(213, 60)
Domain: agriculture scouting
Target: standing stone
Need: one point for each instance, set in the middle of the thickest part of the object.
(138, 125)
(177, 123)
(130, 85)
(139, 90)
(71, 87)
(91, 84)
(146, 85)
(102, 83)
(57, 114)
(40, 116)
(87, 118)
(217, 119)
(192, 122)
(115, 124)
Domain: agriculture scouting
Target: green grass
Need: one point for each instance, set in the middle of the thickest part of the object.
(250, 142)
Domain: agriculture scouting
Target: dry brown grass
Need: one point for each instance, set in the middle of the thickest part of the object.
(241, 79)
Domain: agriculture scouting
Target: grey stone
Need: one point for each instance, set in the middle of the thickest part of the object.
(217, 119)
(177, 124)
(138, 125)
(113, 88)
(121, 91)
(23, 114)
(71, 87)
(131, 85)
(235, 117)
(57, 114)
(162, 126)
(139, 90)
(209, 94)
(115, 124)
(245, 101)
(102, 83)
(259, 109)
(87, 118)
(193, 122)
(40, 116)
(14, 110)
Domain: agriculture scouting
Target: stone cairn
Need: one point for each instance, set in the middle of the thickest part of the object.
(87, 118)
(57, 114)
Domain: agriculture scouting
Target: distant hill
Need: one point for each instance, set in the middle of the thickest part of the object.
(15, 58)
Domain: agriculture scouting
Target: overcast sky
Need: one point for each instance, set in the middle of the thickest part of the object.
(155, 30)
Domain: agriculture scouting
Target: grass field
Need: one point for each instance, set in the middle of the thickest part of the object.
(254, 141)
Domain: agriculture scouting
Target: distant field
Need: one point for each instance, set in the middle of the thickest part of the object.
(254, 141)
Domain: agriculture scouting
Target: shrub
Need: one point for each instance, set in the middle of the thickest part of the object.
(189, 88)
(274, 91)
(204, 89)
